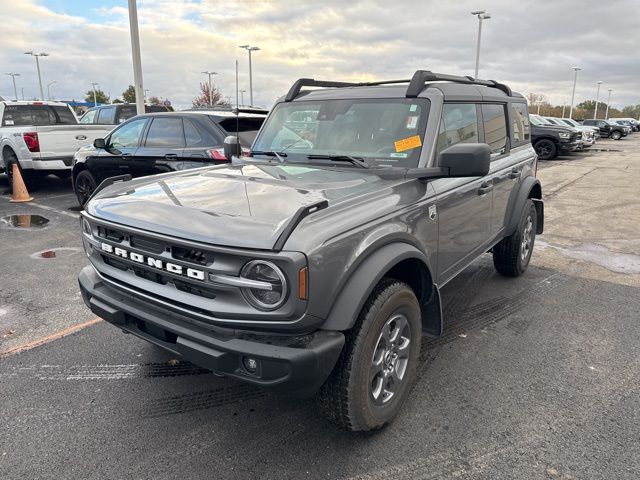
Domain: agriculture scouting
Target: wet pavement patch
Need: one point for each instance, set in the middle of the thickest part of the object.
(25, 221)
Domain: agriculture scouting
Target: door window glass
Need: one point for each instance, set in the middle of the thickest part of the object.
(459, 124)
(107, 115)
(495, 128)
(191, 134)
(128, 135)
(89, 117)
(165, 132)
(63, 115)
(126, 112)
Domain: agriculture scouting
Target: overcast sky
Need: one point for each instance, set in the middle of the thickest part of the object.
(529, 45)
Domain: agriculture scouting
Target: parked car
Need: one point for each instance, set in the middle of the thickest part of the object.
(608, 129)
(632, 126)
(314, 266)
(588, 137)
(41, 138)
(572, 123)
(550, 140)
(159, 143)
(117, 113)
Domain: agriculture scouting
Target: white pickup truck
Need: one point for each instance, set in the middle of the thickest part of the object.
(42, 137)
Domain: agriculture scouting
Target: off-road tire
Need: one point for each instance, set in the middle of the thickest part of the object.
(616, 135)
(508, 254)
(546, 149)
(346, 397)
(84, 185)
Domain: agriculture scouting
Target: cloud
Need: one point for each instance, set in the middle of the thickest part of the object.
(531, 46)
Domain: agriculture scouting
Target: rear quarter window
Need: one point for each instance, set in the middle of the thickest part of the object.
(520, 129)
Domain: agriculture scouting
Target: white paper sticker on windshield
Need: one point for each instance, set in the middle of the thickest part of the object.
(412, 122)
(398, 155)
(8, 122)
(413, 108)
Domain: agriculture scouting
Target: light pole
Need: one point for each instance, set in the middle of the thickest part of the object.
(250, 49)
(564, 105)
(41, 54)
(539, 99)
(595, 112)
(145, 94)
(482, 15)
(137, 62)
(573, 93)
(606, 113)
(15, 89)
(95, 101)
(49, 89)
(207, 72)
(242, 96)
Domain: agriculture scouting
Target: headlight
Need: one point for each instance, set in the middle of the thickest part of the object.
(271, 285)
(564, 135)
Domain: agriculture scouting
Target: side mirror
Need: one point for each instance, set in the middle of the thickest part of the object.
(466, 159)
(232, 147)
(99, 143)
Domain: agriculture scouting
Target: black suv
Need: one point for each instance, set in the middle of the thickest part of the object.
(607, 129)
(314, 266)
(162, 142)
(550, 140)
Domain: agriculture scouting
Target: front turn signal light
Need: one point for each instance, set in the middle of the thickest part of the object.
(302, 283)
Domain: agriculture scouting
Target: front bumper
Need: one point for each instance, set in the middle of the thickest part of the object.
(295, 365)
(569, 146)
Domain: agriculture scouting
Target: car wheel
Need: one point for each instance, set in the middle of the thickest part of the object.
(545, 149)
(616, 135)
(377, 366)
(27, 177)
(512, 254)
(83, 186)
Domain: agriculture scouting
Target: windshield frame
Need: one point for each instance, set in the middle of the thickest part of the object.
(300, 156)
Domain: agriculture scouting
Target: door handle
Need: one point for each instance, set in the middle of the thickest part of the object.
(515, 173)
(485, 188)
(171, 156)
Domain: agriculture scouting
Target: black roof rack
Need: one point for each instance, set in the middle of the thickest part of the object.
(416, 84)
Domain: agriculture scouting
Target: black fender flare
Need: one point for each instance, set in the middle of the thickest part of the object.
(368, 274)
(530, 189)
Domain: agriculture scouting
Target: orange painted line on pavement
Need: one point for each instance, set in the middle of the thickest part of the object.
(50, 338)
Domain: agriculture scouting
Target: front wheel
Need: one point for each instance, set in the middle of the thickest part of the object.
(616, 135)
(84, 186)
(512, 254)
(377, 367)
(546, 149)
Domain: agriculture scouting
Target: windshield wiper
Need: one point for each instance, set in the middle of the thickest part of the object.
(279, 155)
(360, 162)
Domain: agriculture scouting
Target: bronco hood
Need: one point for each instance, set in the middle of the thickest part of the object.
(245, 206)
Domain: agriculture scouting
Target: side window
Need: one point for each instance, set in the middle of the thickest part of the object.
(191, 134)
(63, 115)
(495, 128)
(520, 123)
(41, 115)
(89, 117)
(128, 135)
(165, 133)
(459, 124)
(107, 115)
(125, 113)
(17, 115)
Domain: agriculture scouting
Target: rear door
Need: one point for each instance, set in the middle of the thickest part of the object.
(464, 204)
(163, 147)
(117, 158)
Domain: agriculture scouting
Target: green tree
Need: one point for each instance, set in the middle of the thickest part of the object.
(632, 111)
(129, 95)
(117, 100)
(154, 100)
(206, 97)
(101, 97)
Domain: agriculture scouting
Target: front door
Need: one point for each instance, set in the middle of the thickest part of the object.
(162, 149)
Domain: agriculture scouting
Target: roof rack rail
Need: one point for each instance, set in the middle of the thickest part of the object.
(421, 77)
(416, 84)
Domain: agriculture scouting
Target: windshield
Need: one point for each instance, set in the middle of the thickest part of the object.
(571, 122)
(385, 132)
(537, 120)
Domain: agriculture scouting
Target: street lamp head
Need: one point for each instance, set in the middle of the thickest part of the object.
(486, 16)
(253, 49)
(577, 69)
(599, 82)
(29, 52)
(43, 54)
(243, 46)
(478, 12)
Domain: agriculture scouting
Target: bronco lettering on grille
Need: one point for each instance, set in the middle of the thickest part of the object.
(153, 262)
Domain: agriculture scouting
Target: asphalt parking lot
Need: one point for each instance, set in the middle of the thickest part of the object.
(537, 377)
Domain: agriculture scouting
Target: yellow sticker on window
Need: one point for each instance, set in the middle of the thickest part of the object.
(408, 143)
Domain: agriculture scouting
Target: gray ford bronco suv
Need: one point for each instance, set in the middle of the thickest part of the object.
(313, 265)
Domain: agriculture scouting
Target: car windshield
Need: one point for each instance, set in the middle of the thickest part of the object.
(383, 132)
(537, 120)
(555, 121)
(571, 122)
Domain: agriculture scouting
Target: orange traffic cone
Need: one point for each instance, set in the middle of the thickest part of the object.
(20, 193)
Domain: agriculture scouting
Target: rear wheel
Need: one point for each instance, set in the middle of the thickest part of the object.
(376, 369)
(546, 149)
(616, 135)
(27, 177)
(511, 256)
(84, 186)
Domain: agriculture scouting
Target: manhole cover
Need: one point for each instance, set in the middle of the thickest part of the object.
(25, 221)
